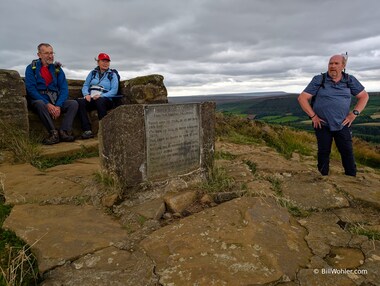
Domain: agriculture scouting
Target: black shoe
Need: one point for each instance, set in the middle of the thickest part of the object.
(52, 139)
(87, 134)
(65, 136)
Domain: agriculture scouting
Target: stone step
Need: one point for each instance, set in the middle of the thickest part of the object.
(63, 149)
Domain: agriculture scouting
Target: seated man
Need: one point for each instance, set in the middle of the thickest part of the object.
(47, 95)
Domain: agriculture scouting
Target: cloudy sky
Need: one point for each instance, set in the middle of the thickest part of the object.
(199, 46)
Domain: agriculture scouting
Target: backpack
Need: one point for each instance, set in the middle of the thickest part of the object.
(110, 76)
(57, 66)
(322, 84)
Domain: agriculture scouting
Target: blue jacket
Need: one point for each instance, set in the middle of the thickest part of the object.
(109, 82)
(34, 83)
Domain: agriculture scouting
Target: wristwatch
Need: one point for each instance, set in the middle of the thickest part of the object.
(356, 112)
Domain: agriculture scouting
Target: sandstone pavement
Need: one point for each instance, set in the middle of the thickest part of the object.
(283, 224)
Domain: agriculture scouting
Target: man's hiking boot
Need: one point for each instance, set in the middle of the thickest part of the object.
(52, 139)
(87, 134)
(65, 136)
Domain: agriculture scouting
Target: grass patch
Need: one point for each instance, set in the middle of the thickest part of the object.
(293, 209)
(237, 138)
(18, 266)
(141, 220)
(276, 185)
(43, 163)
(23, 147)
(251, 165)
(237, 130)
(217, 181)
(366, 154)
(4, 212)
(280, 119)
(105, 179)
(286, 141)
(361, 230)
(224, 155)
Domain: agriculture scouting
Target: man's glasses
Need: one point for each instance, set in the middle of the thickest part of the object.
(48, 54)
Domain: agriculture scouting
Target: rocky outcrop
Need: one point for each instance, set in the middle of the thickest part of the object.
(144, 90)
(13, 107)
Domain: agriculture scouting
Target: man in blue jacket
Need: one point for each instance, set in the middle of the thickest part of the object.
(47, 94)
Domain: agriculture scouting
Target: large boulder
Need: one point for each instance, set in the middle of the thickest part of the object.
(13, 107)
(144, 90)
(75, 88)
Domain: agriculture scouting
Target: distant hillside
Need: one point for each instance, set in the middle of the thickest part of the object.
(265, 106)
(283, 108)
(224, 98)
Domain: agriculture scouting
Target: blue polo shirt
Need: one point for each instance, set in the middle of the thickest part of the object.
(332, 103)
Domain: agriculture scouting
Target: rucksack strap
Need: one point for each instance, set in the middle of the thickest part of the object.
(322, 84)
(109, 75)
(57, 67)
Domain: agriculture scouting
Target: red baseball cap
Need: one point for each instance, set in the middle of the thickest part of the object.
(103, 56)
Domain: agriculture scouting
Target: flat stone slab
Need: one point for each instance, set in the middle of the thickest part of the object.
(62, 233)
(324, 232)
(246, 241)
(362, 188)
(109, 266)
(265, 158)
(55, 184)
(310, 193)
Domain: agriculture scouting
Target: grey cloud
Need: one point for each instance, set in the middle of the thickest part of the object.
(200, 44)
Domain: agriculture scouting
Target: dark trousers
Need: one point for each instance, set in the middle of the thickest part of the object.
(69, 108)
(102, 105)
(343, 141)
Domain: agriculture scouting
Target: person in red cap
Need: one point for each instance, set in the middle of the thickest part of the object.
(99, 89)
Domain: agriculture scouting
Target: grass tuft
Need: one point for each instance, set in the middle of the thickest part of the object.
(276, 185)
(360, 229)
(23, 148)
(18, 266)
(218, 181)
(224, 155)
(251, 165)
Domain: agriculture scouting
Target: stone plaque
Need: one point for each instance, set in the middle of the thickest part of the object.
(172, 139)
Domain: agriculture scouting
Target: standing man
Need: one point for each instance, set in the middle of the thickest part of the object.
(47, 94)
(330, 113)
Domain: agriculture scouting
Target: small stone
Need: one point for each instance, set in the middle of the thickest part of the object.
(110, 200)
(167, 216)
(207, 200)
